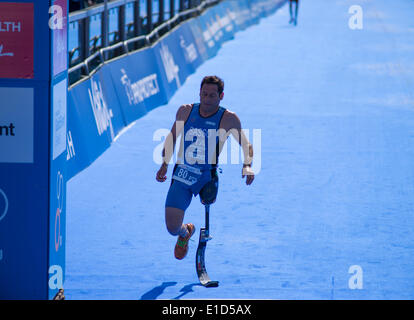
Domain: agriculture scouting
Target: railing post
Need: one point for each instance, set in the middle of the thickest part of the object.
(149, 16)
(84, 38)
(160, 11)
(181, 8)
(137, 19)
(121, 23)
(104, 27)
(172, 8)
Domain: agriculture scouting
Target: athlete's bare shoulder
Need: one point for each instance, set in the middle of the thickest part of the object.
(230, 121)
(183, 112)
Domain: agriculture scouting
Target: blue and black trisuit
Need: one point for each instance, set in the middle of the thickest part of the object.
(197, 161)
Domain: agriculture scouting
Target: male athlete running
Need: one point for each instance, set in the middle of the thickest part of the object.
(205, 127)
(293, 18)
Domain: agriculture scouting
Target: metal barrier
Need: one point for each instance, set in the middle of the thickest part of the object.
(139, 23)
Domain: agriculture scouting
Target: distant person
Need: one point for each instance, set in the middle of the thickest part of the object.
(294, 13)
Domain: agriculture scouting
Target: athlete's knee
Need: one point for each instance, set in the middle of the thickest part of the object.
(173, 220)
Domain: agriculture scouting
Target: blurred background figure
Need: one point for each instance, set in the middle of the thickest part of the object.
(294, 12)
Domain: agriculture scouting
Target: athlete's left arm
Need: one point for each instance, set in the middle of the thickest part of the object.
(231, 123)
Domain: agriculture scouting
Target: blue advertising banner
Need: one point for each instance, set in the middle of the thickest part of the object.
(229, 20)
(197, 33)
(172, 62)
(95, 118)
(225, 24)
(190, 51)
(76, 143)
(243, 19)
(108, 114)
(137, 83)
(211, 33)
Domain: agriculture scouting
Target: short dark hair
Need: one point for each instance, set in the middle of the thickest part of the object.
(213, 80)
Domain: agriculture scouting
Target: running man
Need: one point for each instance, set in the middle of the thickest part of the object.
(204, 128)
(294, 18)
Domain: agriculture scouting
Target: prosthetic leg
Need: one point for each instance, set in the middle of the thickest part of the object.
(207, 197)
(200, 256)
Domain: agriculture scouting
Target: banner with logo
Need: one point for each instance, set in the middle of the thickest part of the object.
(211, 32)
(76, 142)
(94, 121)
(136, 80)
(172, 62)
(199, 38)
(221, 15)
(193, 55)
(17, 40)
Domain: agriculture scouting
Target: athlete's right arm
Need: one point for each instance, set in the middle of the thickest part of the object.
(170, 141)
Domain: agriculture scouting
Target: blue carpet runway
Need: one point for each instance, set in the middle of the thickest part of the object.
(335, 108)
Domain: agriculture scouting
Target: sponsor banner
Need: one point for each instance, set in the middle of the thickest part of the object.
(254, 8)
(108, 114)
(192, 53)
(94, 118)
(16, 40)
(225, 24)
(211, 32)
(239, 8)
(76, 143)
(16, 125)
(194, 26)
(175, 54)
(59, 119)
(230, 12)
(233, 7)
(137, 82)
